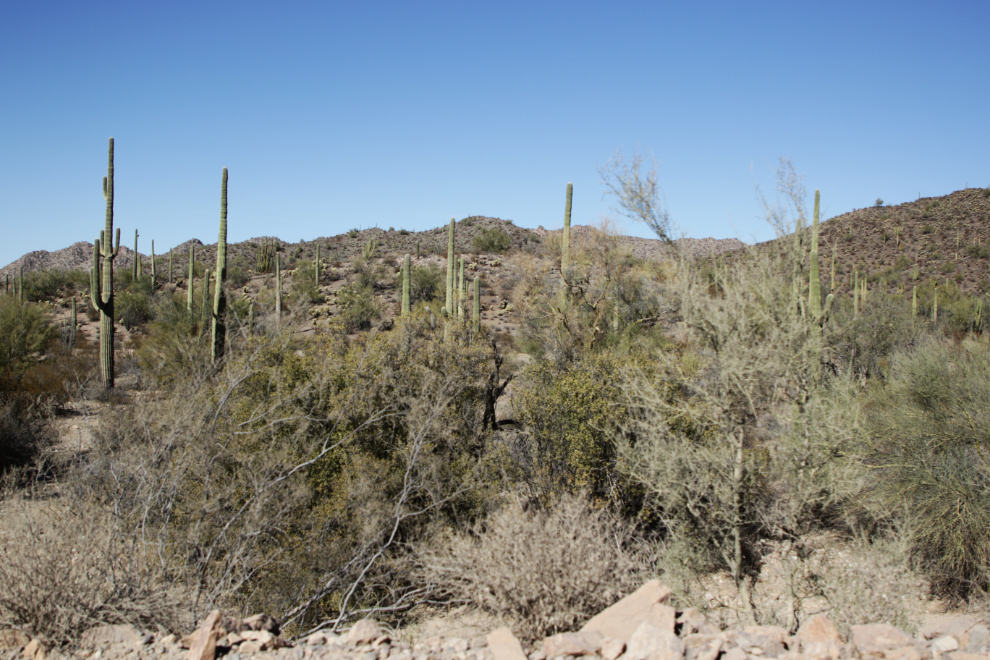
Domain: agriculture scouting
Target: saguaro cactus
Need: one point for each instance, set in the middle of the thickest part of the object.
(405, 286)
(137, 258)
(565, 243)
(477, 303)
(450, 267)
(170, 265)
(205, 313)
(460, 288)
(814, 284)
(914, 300)
(101, 284)
(316, 280)
(154, 277)
(20, 284)
(278, 287)
(189, 286)
(219, 330)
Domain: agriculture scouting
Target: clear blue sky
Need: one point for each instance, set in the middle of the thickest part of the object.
(332, 115)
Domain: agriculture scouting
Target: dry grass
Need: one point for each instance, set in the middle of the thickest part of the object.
(66, 566)
(545, 571)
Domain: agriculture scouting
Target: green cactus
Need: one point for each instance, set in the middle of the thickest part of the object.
(914, 300)
(278, 287)
(154, 277)
(170, 265)
(218, 334)
(565, 244)
(477, 303)
(20, 284)
(935, 305)
(443, 312)
(265, 258)
(405, 286)
(369, 249)
(460, 288)
(417, 249)
(189, 285)
(101, 284)
(316, 280)
(205, 313)
(814, 285)
(137, 259)
(251, 319)
(450, 266)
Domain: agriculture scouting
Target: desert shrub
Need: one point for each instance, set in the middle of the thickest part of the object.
(870, 582)
(25, 429)
(132, 309)
(546, 570)
(25, 330)
(569, 414)
(47, 284)
(174, 348)
(865, 343)
(360, 306)
(304, 283)
(491, 239)
(930, 427)
(65, 567)
(426, 282)
(237, 272)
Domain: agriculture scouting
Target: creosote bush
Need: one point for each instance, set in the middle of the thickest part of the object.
(491, 239)
(546, 570)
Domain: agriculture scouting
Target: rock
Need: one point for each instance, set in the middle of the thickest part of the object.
(773, 633)
(975, 639)
(504, 645)
(963, 655)
(363, 632)
(649, 642)
(579, 643)
(818, 628)
(878, 636)
(692, 621)
(249, 647)
(203, 644)
(316, 639)
(612, 648)
(34, 650)
(944, 644)
(104, 636)
(825, 650)
(906, 653)
(702, 646)
(735, 654)
(646, 604)
(13, 639)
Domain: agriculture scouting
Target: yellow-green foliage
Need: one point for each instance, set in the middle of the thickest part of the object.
(25, 329)
(570, 415)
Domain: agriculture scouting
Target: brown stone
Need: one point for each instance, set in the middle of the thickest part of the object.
(904, 653)
(203, 644)
(735, 654)
(363, 632)
(104, 636)
(504, 645)
(13, 639)
(702, 646)
(824, 650)
(649, 642)
(692, 621)
(646, 604)
(262, 622)
(963, 655)
(818, 628)
(878, 636)
(579, 643)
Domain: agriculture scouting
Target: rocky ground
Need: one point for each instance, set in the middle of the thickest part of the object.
(641, 626)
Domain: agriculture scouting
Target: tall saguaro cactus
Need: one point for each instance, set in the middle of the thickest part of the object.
(101, 284)
(814, 284)
(154, 274)
(565, 245)
(405, 286)
(316, 281)
(219, 333)
(477, 303)
(460, 288)
(189, 288)
(450, 267)
(278, 287)
(137, 259)
(205, 313)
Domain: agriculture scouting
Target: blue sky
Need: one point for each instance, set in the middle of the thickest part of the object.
(338, 115)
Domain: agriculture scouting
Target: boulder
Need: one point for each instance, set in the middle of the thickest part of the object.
(579, 643)
(878, 636)
(105, 636)
(363, 632)
(504, 645)
(649, 642)
(13, 639)
(646, 605)
(203, 644)
(818, 628)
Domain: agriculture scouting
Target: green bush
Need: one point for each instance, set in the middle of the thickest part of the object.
(492, 239)
(132, 309)
(50, 284)
(360, 306)
(929, 456)
(25, 330)
(426, 283)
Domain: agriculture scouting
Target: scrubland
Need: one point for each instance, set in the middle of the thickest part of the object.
(683, 418)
